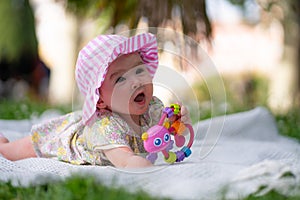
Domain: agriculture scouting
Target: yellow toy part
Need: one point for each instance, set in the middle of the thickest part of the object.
(176, 108)
(167, 125)
(172, 157)
(144, 136)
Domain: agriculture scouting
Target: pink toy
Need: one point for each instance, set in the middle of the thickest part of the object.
(158, 137)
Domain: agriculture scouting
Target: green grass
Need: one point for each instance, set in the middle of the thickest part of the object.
(88, 188)
(10, 109)
(71, 189)
(272, 195)
(289, 123)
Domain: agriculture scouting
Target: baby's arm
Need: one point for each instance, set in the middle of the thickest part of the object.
(123, 157)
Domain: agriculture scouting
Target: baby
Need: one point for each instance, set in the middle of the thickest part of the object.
(114, 73)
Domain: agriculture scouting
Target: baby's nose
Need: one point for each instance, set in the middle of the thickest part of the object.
(136, 83)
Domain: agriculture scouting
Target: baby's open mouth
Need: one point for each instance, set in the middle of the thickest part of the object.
(140, 97)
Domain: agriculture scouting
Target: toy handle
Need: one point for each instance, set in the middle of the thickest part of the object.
(192, 135)
(186, 150)
(162, 119)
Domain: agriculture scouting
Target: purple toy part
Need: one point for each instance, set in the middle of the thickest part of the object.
(170, 146)
(180, 156)
(151, 157)
(169, 112)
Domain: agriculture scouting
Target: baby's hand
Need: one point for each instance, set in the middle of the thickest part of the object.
(123, 157)
(185, 115)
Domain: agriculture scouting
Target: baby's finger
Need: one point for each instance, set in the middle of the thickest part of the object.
(186, 120)
(184, 110)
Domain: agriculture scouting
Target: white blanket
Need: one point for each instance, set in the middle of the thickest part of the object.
(234, 156)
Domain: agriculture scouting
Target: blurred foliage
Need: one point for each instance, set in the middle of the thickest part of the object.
(27, 108)
(119, 11)
(287, 13)
(289, 123)
(19, 58)
(20, 110)
(17, 26)
(88, 188)
(192, 13)
(245, 93)
(272, 195)
(242, 93)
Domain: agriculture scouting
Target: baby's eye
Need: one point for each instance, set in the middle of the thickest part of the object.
(120, 79)
(139, 70)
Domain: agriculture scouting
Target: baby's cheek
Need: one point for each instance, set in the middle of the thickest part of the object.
(121, 94)
(120, 99)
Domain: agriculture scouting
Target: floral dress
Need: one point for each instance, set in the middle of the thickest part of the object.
(67, 139)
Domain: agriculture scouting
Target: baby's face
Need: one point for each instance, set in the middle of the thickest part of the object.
(127, 88)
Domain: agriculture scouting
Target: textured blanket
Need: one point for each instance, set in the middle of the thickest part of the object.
(234, 156)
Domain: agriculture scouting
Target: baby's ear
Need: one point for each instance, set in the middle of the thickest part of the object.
(100, 104)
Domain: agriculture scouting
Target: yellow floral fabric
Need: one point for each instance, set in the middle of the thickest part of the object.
(67, 139)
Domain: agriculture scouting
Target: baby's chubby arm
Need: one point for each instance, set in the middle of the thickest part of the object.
(123, 157)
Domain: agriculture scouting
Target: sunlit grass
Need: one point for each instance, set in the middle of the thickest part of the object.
(71, 189)
(289, 123)
(26, 108)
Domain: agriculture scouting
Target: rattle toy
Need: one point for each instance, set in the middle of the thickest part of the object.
(158, 138)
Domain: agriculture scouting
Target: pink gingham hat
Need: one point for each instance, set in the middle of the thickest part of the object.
(95, 58)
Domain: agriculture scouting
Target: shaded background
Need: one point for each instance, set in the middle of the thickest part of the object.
(253, 44)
